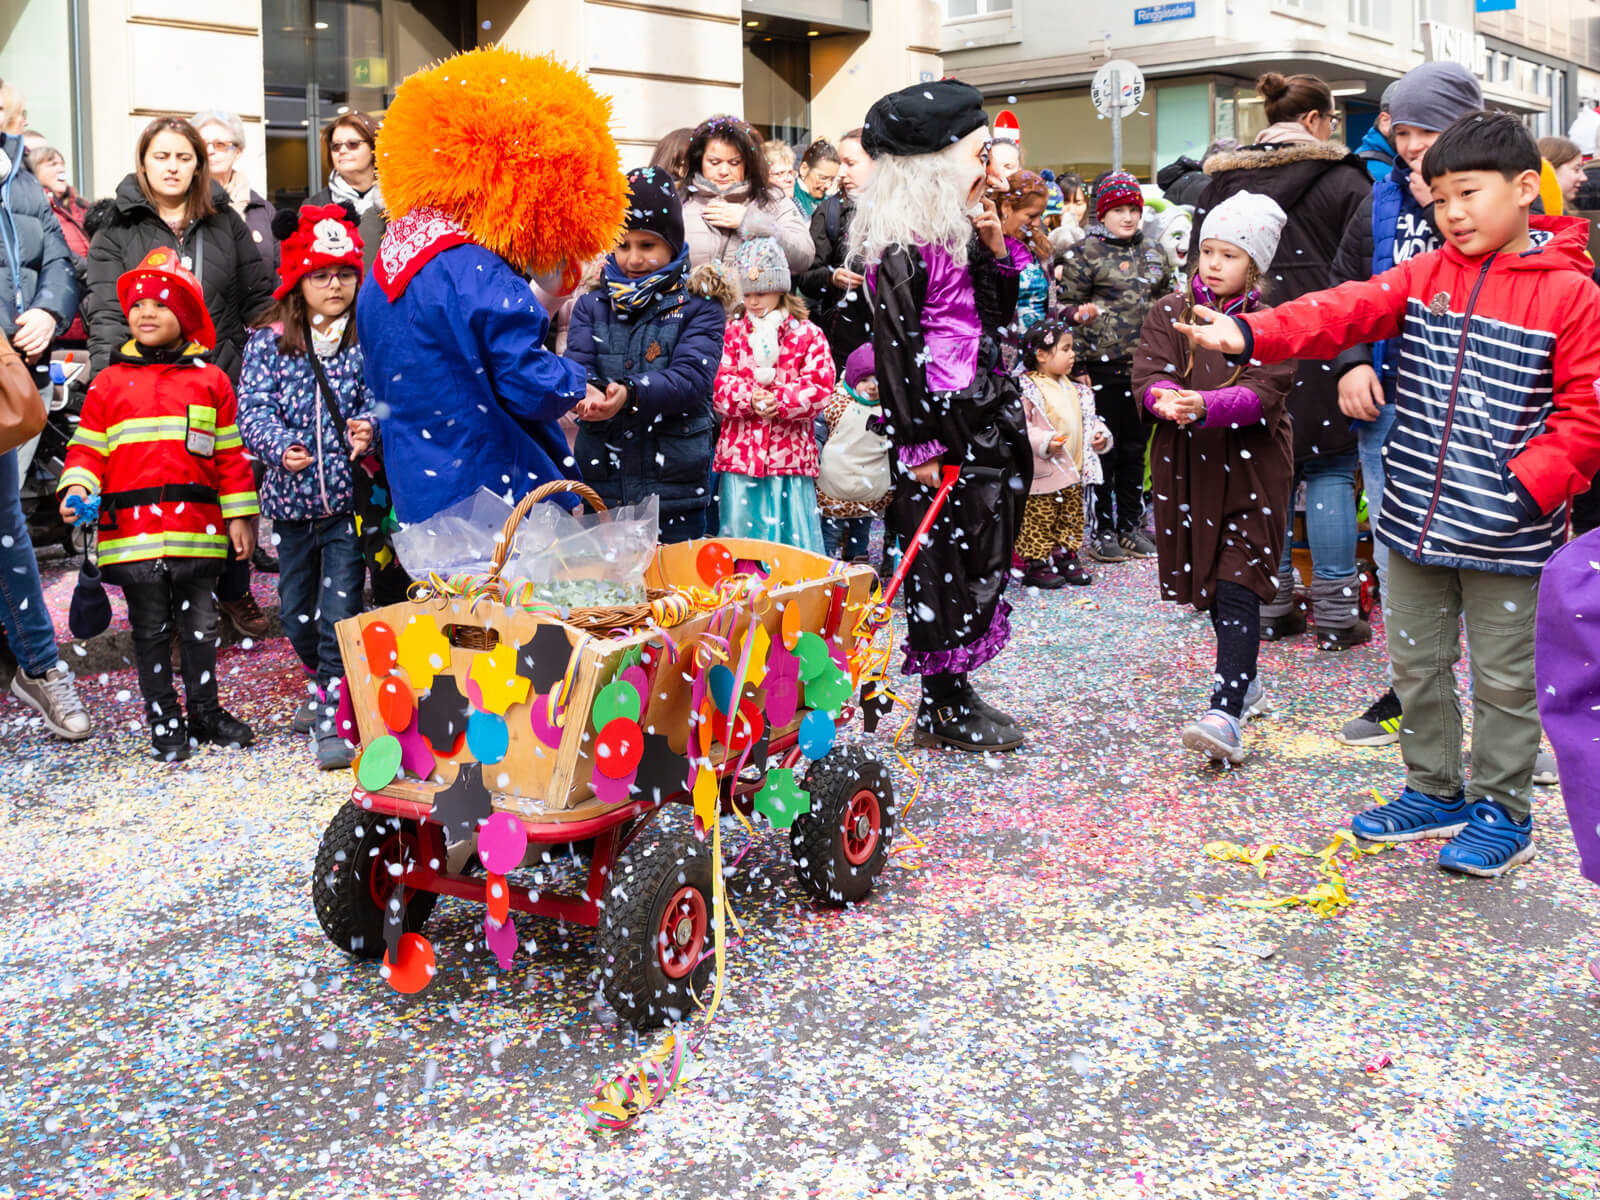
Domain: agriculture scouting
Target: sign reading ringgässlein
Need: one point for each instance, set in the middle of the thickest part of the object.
(1157, 14)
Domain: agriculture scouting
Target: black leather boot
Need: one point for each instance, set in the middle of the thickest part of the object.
(221, 728)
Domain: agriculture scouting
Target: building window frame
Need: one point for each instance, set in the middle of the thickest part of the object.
(981, 9)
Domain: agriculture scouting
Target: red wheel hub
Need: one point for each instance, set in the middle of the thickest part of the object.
(863, 825)
(396, 850)
(681, 939)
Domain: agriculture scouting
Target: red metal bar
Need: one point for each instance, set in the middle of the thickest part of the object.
(908, 554)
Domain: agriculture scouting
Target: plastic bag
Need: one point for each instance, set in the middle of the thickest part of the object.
(587, 560)
(460, 538)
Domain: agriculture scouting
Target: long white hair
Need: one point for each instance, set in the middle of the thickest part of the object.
(915, 200)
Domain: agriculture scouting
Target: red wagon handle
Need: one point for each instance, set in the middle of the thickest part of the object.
(947, 480)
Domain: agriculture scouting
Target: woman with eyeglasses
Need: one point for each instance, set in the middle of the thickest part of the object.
(223, 134)
(171, 201)
(350, 141)
(1320, 184)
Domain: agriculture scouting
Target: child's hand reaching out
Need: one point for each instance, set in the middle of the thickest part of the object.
(1212, 331)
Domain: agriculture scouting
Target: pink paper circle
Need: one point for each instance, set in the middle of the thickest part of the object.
(612, 791)
(502, 841)
(546, 732)
(641, 684)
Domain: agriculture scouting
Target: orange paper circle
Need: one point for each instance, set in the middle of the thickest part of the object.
(793, 624)
(497, 893)
(382, 651)
(414, 968)
(396, 704)
(714, 562)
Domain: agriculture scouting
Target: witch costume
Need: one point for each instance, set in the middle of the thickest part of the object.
(944, 389)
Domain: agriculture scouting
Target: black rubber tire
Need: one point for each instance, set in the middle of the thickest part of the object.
(339, 890)
(816, 840)
(647, 875)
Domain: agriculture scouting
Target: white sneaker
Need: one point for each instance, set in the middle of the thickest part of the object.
(55, 698)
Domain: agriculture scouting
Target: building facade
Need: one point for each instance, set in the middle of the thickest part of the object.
(97, 71)
(1201, 58)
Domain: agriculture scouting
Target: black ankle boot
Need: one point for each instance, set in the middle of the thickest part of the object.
(221, 728)
(169, 740)
(970, 697)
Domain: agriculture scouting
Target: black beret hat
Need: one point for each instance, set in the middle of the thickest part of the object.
(923, 118)
(654, 206)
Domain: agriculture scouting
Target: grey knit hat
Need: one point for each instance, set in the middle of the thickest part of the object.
(1435, 96)
(762, 267)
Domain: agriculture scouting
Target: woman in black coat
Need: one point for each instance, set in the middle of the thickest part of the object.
(834, 286)
(171, 201)
(1320, 185)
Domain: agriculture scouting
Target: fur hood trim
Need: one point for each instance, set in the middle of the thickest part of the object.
(1246, 157)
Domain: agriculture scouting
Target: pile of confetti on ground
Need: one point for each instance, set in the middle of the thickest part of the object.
(1049, 1003)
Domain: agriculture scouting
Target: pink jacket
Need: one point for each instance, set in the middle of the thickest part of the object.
(784, 443)
(1050, 474)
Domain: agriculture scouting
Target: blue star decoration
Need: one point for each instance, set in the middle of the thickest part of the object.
(781, 799)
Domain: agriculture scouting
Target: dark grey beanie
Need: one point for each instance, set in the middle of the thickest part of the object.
(1435, 96)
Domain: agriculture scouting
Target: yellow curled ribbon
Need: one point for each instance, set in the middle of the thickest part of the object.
(1325, 899)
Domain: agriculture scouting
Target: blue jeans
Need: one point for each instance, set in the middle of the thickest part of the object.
(22, 611)
(847, 538)
(1330, 516)
(1370, 436)
(320, 574)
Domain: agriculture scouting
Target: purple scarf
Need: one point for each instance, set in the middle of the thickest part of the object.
(1238, 304)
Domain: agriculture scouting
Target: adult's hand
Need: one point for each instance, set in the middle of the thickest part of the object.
(990, 232)
(35, 330)
(724, 214)
(1212, 331)
(1360, 393)
(927, 474)
(844, 279)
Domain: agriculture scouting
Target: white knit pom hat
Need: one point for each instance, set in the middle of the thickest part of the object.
(1250, 221)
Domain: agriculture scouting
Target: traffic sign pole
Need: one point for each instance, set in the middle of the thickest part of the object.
(1116, 121)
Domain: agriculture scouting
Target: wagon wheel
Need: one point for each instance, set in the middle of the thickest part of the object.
(353, 878)
(840, 846)
(656, 937)
(1369, 595)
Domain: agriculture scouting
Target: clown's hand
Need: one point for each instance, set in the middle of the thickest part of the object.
(1212, 331)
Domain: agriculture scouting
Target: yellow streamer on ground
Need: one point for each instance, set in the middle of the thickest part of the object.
(1325, 899)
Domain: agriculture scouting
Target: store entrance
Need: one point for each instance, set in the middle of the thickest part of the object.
(327, 57)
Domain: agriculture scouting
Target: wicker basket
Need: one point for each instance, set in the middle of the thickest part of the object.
(595, 620)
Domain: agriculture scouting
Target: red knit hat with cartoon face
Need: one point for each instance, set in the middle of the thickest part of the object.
(162, 277)
(325, 237)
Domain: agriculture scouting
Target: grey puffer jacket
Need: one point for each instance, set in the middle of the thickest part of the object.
(36, 266)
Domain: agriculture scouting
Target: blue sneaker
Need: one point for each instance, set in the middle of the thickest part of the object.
(1491, 844)
(1411, 817)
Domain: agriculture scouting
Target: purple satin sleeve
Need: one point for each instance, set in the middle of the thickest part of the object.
(1232, 406)
(921, 452)
(1164, 385)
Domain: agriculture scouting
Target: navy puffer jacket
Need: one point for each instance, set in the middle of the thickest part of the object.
(36, 266)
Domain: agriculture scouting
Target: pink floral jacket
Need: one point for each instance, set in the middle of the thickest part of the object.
(784, 443)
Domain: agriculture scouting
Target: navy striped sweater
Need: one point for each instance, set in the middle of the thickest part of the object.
(1497, 425)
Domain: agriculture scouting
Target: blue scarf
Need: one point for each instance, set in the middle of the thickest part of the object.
(630, 297)
(1237, 304)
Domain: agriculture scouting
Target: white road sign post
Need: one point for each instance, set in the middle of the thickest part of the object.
(1117, 90)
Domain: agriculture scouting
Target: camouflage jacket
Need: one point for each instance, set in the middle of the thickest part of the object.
(1123, 278)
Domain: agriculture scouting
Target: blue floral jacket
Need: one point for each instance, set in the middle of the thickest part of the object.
(280, 406)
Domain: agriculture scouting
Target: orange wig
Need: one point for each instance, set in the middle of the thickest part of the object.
(516, 149)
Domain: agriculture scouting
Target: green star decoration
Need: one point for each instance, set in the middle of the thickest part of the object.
(781, 799)
(829, 691)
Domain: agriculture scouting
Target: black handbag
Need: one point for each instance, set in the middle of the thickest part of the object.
(373, 508)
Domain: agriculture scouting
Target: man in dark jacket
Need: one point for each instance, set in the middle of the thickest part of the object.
(1392, 225)
(653, 347)
(837, 292)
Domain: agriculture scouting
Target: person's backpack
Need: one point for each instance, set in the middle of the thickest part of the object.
(855, 459)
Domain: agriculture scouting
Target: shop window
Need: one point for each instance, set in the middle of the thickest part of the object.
(777, 87)
(326, 57)
(1183, 122)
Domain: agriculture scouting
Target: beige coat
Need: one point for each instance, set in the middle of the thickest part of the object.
(775, 217)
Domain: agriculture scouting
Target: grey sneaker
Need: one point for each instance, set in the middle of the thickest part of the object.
(1216, 735)
(305, 717)
(1255, 700)
(1378, 726)
(1136, 544)
(55, 698)
(1544, 770)
(333, 752)
(1103, 547)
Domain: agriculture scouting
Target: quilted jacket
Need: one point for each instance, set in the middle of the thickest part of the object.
(1496, 422)
(280, 405)
(784, 444)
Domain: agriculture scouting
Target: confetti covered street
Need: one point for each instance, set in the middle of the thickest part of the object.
(1051, 999)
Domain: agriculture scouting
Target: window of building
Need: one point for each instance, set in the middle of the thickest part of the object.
(777, 87)
(326, 57)
(1371, 15)
(955, 10)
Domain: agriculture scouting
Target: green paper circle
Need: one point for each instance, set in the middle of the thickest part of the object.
(380, 763)
(619, 698)
(813, 654)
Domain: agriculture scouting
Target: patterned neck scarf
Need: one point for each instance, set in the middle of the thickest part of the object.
(1230, 307)
(630, 297)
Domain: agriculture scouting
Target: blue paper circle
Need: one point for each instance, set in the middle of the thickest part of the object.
(719, 681)
(816, 734)
(488, 737)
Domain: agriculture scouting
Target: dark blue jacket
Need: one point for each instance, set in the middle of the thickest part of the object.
(662, 440)
(466, 394)
(36, 267)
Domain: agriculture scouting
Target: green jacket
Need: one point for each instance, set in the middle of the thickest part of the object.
(1122, 278)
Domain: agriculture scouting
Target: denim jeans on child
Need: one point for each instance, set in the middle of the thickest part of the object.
(320, 575)
(847, 538)
(22, 611)
(167, 596)
(1423, 607)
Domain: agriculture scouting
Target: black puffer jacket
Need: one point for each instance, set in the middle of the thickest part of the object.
(1320, 185)
(35, 261)
(237, 283)
(1182, 181)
